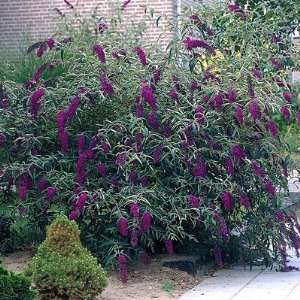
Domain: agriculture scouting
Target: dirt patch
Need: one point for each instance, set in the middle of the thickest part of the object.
(146, 282)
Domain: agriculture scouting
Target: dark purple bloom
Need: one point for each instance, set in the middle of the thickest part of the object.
(101, 169)
(276, 63)
(2, 139)
(4, 103)
(227, 201)
(231, 95)
(257, 73)
(275, 39)
(63, 137)
(79, 204)
(139, 108)
(73, 106)
(191, 43)
(123, 226)
(144, 180)
(237, 152)
(42, 184)
(298, 117)
(74, 214)
(81, 143)
(41, 49)
(50, 43)
(272, 128)
(219, 256)
(285, 113)
(229, 166)
(61, 119)
(51, 193)
(142, 55)
(239, 115)
(121, 159)
(280, 216)
(258, 170)
(135, 210)
(287, 96)
(156, 154)
(146, 221)
(174, 95)
(156, 76)
(134, 238)
(152, 120)
(106, 86)
(193, 200)
(133, 177)
(200, 169)
(196, 20)
(23, 187)
(147, 94)
(254, 110)
(169, 246)
(270, 187)
(199, 114)
(123, 272)
(105, 147)
(167, 130)
(245, 201)
(99, 51)
(36, 102)
(194, 85)
(217, 101)
(279, 82)
(102, 27)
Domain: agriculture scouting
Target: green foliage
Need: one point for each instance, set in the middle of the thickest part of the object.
(62, 268)
(15, 286)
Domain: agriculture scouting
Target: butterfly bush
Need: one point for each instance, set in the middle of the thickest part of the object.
(148, 149)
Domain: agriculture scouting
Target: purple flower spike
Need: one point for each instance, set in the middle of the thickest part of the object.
(146, 221)
(231, 95)
(287, 96)
(144, 180)
(101, 169)
(61, 119)
(272, 128)
(134, 238)
(99, 51)
(245, 201)
(229, 166)
(199, 114)
(73, 106)
(63, 137)
(81, 143)
(194, 201)
(41, 49)
(169, 246)
(227, 201)
(4, 103)
(42, 184)
(142, 55)
(217, 101)
(285, 113)
(81, 200)
(152, 120)
(74, 214)
(200, 169)
(123, 226)
(239, 115)
(257, 73)
(156, 76)
(238, 152)
(133, 177)
(254, 110)
(148, 95)
(106, 86)
(174, 95)
(139, 108)
(105, 147)
(51, 193)
(270, 187)
(121, 159)
(258, 170)
(135, 210)
(36, 102)
(157, 152)
(50, 43)
(191, 43)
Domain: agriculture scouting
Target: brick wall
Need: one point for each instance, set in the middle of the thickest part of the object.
(25, 21)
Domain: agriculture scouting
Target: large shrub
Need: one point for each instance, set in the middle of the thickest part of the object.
(15, 286)
(62, 268)
(148, 150)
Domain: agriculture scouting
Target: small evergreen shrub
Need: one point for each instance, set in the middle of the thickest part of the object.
(15, 286)
(62, 268)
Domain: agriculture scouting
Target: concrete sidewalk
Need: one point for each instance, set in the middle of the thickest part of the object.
(240, 284)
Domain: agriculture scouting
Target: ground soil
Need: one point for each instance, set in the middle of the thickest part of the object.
(146, 282)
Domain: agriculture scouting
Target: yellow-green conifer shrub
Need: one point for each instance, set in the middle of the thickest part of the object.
(63, 268)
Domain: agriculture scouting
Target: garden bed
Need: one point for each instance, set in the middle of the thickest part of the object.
(145, 282)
